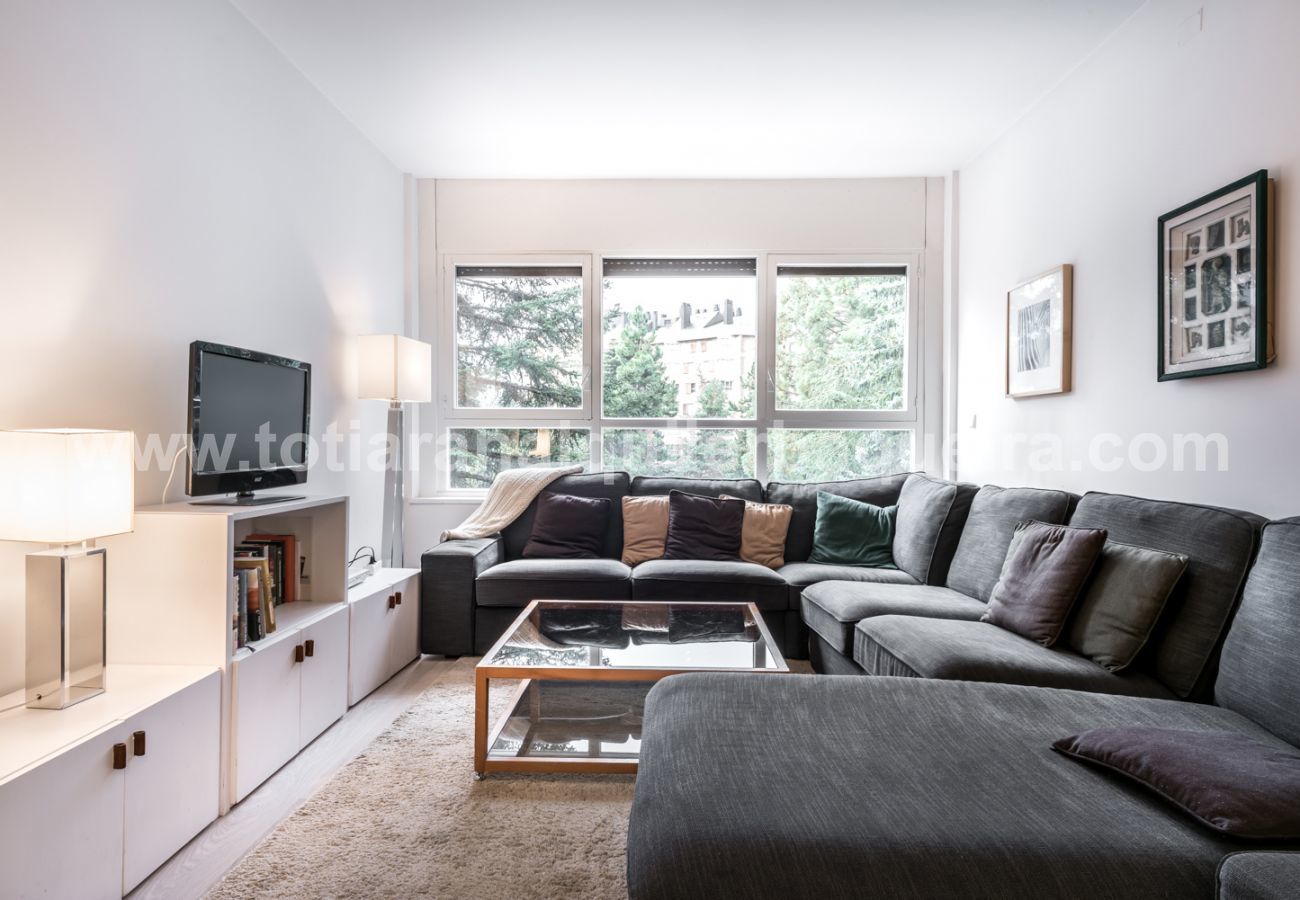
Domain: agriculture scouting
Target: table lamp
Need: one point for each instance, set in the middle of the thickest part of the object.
(65, 487)
(400, 370)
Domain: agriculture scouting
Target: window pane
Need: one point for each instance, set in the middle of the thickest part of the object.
(701, 452)
(824, 455)
(840, 338)
(519, 337)
(679, 338)
(478, 454)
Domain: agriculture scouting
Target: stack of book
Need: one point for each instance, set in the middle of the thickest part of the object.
(267, 575)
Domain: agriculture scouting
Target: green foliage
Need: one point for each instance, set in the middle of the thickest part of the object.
(817, 455)
(714, 402)
(840, 342)
(703, 453)
(519, 341)
(636, 383)
(748, 390)
(478, 454)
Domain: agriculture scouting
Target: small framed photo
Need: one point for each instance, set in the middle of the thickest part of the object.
(1039, 317)
(1214, 287)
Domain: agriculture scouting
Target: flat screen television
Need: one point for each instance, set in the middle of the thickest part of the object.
(249, 417)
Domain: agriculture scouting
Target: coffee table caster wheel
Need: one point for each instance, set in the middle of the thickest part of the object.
(480, 776)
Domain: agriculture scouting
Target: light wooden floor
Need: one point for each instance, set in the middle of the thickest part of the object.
(201, 863)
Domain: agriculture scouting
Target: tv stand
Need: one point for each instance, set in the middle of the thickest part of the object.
(246, 498)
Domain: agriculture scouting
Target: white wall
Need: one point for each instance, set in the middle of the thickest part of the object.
(166, 176)
(1142, 127)
(667, 216)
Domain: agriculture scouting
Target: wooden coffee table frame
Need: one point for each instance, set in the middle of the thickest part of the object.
(485, 673)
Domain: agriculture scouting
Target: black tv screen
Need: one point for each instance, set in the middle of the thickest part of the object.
(249, 417)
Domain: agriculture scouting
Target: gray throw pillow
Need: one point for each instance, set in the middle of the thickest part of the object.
(1044, 572)
(1225, 780)
(1122, 603)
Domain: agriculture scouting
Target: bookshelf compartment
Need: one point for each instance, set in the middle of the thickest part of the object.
(173, 600)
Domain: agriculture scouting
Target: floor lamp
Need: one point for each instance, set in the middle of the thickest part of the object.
(400, 370)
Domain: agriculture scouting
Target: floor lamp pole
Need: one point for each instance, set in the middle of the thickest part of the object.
(394, 491)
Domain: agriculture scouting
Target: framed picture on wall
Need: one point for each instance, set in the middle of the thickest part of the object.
(1039, 315)
(1215, 288)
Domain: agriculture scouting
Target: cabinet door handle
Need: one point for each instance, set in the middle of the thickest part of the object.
(119, 756)
(138, 743)
(392, 601)
(399, 598)
(298, 654)
(310, 647)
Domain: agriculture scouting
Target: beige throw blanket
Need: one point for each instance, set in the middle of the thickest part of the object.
(509, 495)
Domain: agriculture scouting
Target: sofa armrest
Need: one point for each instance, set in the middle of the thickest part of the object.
(1258, 875)
(447, 575)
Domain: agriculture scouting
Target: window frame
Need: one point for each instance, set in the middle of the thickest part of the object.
(590, 417)
(850, 418)
(447, 320)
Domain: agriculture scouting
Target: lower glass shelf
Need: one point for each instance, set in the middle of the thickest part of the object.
(595, 721)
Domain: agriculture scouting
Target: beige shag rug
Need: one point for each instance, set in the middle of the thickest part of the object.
(406, 819)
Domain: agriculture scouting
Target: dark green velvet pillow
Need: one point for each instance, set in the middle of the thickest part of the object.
(853, 533)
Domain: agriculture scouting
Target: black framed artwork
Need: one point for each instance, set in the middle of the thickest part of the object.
(1214, 282)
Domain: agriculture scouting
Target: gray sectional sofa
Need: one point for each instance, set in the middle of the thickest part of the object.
(472, 590)
(937, 779)
(831, 787)
(935, 632)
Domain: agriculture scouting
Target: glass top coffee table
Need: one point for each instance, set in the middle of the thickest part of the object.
(585, 668)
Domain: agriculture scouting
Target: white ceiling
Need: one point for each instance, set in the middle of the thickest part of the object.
(720, 88)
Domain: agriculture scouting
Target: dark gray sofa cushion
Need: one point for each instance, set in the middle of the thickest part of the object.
(518, 581)
(802, 574)
(814, 786)
(978, 651)
(710, 581)
(994, 514)
(613, 486)
(1219, 544)
(882, 491)
(931, 513)
(1259, 675)
(744, 488)
(1259, 875)
(833, 608)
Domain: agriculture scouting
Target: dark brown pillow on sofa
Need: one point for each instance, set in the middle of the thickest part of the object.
(703, 527)
(568, 527)
(1229, 781)
(1044, 572)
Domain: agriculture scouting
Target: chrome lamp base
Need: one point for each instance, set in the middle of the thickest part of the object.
(390, 545)
(66, 602)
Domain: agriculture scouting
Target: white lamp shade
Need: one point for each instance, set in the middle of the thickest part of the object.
(62, 486)
(392, 367)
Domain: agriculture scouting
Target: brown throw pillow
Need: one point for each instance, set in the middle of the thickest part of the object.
(703, 527)
(568, 527)
(645, 528)
(1123, 601)
(763, 531)
(1045, 570)
(1226, 780)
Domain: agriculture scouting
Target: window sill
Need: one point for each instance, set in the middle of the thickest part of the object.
(473, 499)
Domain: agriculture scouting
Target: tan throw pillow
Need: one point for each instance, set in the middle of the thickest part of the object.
(645, 527)
(763, 531)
